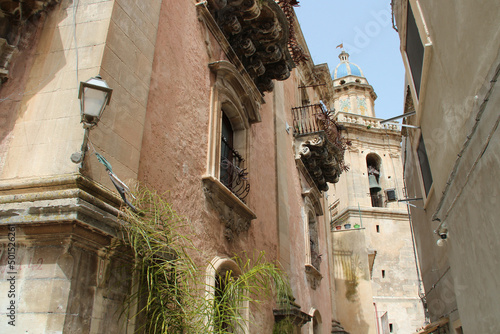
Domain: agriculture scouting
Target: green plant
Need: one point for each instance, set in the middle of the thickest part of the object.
(166, 277)
(284, 326)
(170, 292)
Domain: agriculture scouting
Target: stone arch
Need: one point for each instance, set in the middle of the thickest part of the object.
(219, 266)
(316, 325)
(311, 233)
(374, 172)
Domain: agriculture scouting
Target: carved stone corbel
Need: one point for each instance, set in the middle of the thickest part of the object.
(233, 213)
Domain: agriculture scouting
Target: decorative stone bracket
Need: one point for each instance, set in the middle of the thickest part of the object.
(321, 159)
(291, 310)
(235, 215)
(258, 32)
(13, 27)
(313, 276)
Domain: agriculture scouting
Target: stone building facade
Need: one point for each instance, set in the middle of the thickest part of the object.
(451, 55)
(375, 272)
(189, 79)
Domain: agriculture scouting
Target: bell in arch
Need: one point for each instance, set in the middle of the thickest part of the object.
(374, 185)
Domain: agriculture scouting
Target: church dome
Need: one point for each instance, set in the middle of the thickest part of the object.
(346, 68)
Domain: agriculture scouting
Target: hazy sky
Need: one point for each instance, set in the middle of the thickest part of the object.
(365, 29)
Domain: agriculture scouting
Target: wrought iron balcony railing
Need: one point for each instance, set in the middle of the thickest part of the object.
(314, 118)
(232, 172)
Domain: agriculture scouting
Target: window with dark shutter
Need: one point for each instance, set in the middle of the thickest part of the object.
(424, 165)
(414, 50)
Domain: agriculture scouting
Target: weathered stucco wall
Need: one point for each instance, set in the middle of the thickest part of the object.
(458, 116)
(175, 145)
(352, 282)
(175, 149)
(293, 216)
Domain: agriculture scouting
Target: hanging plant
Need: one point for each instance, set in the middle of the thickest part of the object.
(170, 291)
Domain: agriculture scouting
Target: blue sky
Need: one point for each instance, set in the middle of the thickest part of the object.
(365, 29)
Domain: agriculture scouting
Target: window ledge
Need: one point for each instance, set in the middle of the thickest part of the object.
(235, 214)
(313, 276)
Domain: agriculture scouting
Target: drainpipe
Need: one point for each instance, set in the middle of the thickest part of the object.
(376, 317)
(360, 219)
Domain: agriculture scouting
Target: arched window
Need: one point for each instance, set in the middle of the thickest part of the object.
(313, 248)
(314, 241)
(373, 165)
(316, 322)
(234, 107)
(233, 110)
(219, 273)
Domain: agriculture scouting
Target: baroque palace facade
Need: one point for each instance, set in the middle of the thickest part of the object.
(209, 103)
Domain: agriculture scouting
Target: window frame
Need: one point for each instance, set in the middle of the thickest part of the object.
(313, 274)
(232, 95)
(423, 32)
(414, 147)
(315, 317)
(419, 152)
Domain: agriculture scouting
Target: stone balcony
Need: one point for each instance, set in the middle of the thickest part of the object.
(365, 121)
(318, 144)
(258, 32)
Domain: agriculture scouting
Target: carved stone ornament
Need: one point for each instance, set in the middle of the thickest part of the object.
(234, 214)
(258, 31)
(289, 309)
(321, 159)
(17, 24)
(313, 276)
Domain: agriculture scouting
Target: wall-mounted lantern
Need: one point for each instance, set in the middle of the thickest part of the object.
(94, 96)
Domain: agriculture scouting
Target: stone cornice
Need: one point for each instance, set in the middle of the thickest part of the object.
(354, 86)
(60, 199)
(380, 213)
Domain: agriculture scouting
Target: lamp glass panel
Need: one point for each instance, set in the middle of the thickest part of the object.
(93, 102)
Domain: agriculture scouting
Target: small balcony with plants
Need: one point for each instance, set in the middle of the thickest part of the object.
(319, 144)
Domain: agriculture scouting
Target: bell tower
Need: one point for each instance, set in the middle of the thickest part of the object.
(353, 92)
(371, 236)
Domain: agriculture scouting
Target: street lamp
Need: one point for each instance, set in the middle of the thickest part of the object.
(94, 96)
